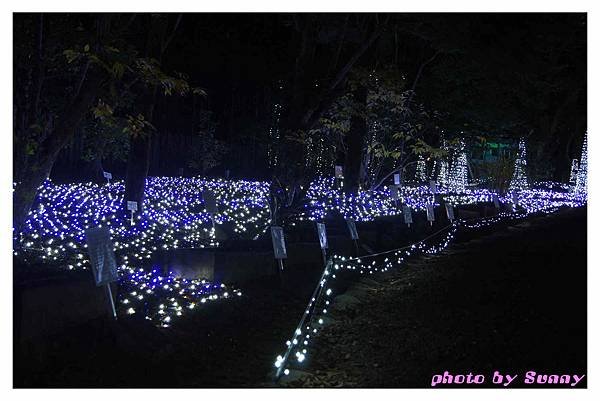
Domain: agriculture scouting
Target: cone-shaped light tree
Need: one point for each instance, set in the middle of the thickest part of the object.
(519, 179)
(581, 183)
(443, 174)
(421, 173)
(574, 169)
(457, 179)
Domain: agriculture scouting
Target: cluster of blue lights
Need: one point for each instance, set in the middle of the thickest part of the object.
(174, 216)
(162, 298)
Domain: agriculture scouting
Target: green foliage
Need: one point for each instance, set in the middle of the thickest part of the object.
(399, 126)
(103, 141)
(137, 126)
(420, 147)
(206, 152)
(497, 173)
(151, 74)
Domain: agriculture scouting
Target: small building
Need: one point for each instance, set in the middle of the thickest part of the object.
(493, 150)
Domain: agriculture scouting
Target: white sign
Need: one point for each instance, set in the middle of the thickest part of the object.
(432, 187)
(322, 235)
(339, 172)
(108, 176)
(430, 214)
(407, 212)
(496, 202)
(449, 211)
(396, 179)
(132, 205)
(102, 255)
(278, 242)
(352, 228)
(210, 202)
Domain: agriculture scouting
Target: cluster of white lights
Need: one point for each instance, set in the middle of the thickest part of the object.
(314, 314)
(274, 136)
(457, 178)
(161, 298)
(174, 216)
(519, 179)
(421, 172)
(574, 169)
(581, 181)
(326, 199)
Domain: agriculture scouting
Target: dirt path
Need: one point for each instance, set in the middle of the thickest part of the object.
(511, 301)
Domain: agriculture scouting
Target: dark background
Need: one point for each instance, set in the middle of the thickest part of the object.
(513, 74)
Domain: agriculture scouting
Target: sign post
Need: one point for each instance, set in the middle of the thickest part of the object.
(515, 201)
(432, 187)
(279, 249)
(496, 202)
(430, 213)
(210, 203)
(449, 211)
(322, 240)
(108, 176)
(407, 212)
(353, 232)
(103, 261)
(339, 175)
(133, 207)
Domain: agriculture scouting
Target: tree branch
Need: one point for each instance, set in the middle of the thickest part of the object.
(420, 71)
(168, 40)
(341, 75)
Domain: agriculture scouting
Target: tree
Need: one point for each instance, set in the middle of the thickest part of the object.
(381, 132)
(581, 181)
(86, 67)
(519, 180)
(510, 75)
(54, 93)
(207, 152)
(159, 36)
(337, 42)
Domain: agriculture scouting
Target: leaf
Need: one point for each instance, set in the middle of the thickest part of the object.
(71, 55)
(118, 70)
(199, 91)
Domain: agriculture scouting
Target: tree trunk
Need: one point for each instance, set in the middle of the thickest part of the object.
(138, 162)
(38, 170)
(95, 170)
(355, 142)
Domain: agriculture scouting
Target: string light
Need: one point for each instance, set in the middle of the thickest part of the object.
(175, 216)
(519, 179)
(581, 182)
(457, 178)
(442, 179)
(274, 136)
(539, 200)
(421, 173)
(574, 169)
